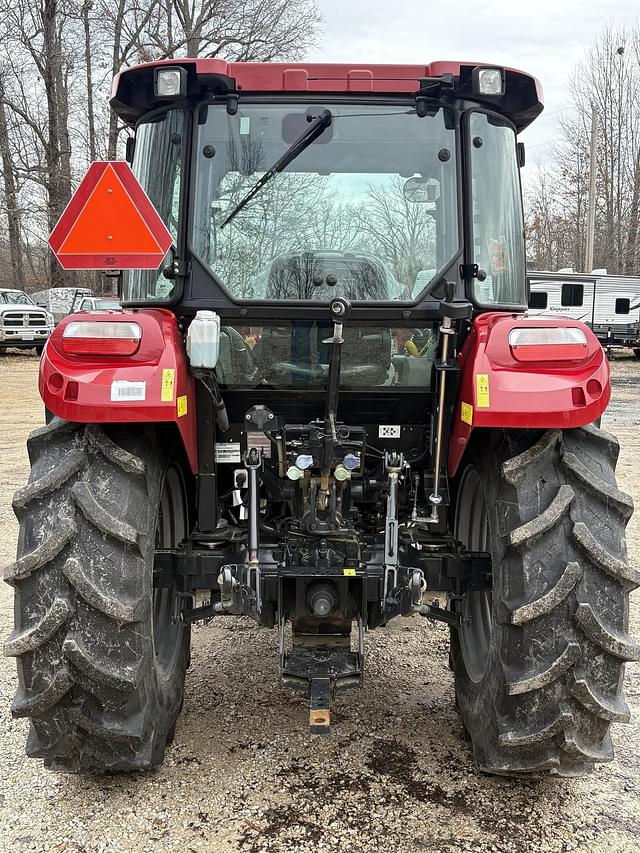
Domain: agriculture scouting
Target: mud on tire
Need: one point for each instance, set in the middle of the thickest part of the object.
(101, 692)
(550, 684)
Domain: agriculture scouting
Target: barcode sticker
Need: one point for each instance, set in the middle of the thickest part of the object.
(123, 390)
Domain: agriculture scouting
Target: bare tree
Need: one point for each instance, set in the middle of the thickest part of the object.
(84, 11)
(398, 229)
(238, 30)
(554, 221)
(59, 58)
(123, 30)
(11, 196)
(608, 80)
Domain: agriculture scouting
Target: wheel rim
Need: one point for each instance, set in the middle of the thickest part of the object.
(472, 530)
(171, 528)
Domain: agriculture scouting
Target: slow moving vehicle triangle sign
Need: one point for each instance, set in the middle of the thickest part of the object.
(110, 223)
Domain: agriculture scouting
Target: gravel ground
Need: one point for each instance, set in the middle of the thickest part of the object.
(243, 774)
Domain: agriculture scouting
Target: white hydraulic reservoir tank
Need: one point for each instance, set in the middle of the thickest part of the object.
(203, 339)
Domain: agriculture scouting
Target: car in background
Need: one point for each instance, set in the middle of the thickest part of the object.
(96, 303)
(60, 301)
(22, 323)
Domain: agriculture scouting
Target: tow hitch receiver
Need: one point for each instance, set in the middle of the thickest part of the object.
(321, 664)
(319, 705)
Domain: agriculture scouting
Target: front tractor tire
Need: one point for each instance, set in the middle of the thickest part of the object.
(101, 656)
(539, 659)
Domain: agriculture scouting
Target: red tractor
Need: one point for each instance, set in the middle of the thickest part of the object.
(327, 410)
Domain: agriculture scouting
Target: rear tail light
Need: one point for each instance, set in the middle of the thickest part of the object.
(548, 344)
(101, 338)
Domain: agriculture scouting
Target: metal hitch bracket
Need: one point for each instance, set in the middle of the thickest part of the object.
(435, 613)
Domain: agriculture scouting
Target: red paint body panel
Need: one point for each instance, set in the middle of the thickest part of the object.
(521, 395)
(320, 76)
(161, 348)
(525, 395)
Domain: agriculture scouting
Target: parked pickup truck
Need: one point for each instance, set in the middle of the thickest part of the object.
(22, 323)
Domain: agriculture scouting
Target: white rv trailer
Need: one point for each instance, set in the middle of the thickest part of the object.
(609, 304)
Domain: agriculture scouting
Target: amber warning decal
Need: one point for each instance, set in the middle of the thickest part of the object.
(466, 413)
(168, 378)
(182, 406)
(110, 223)
(482, 391)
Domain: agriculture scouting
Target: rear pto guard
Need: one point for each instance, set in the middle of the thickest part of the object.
(319, 437)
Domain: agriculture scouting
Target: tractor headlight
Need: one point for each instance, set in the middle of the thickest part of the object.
(488, 82)
(170, 82)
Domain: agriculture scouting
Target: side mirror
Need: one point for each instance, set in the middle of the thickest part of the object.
(421, 190)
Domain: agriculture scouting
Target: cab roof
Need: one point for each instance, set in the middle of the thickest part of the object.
(133, 88)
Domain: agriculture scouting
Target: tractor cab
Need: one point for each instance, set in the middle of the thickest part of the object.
(299, 184)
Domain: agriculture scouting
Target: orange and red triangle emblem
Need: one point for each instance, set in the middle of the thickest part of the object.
(110, 223)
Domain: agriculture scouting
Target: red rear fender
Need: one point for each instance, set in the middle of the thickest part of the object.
(151, 386)
(498, 390)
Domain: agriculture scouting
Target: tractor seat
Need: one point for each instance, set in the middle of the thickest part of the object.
(296, 355)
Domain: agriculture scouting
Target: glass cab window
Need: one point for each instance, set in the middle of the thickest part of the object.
(295, 355)
(368, 210)
(157, 164)
(498, 225)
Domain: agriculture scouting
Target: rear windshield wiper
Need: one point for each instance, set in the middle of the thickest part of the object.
(315, 129)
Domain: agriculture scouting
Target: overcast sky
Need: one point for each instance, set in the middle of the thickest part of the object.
(544, 37)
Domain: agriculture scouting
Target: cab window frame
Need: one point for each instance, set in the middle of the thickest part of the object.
(179, 246)
(447, 270)
(469, 253)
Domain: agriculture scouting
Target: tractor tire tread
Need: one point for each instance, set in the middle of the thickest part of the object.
(551, 599)
(83, 623)
(556, 662)
(35, 635)
(101, 518)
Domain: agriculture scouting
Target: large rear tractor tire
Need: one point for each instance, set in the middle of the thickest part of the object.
(539, 658)
(101, 656)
